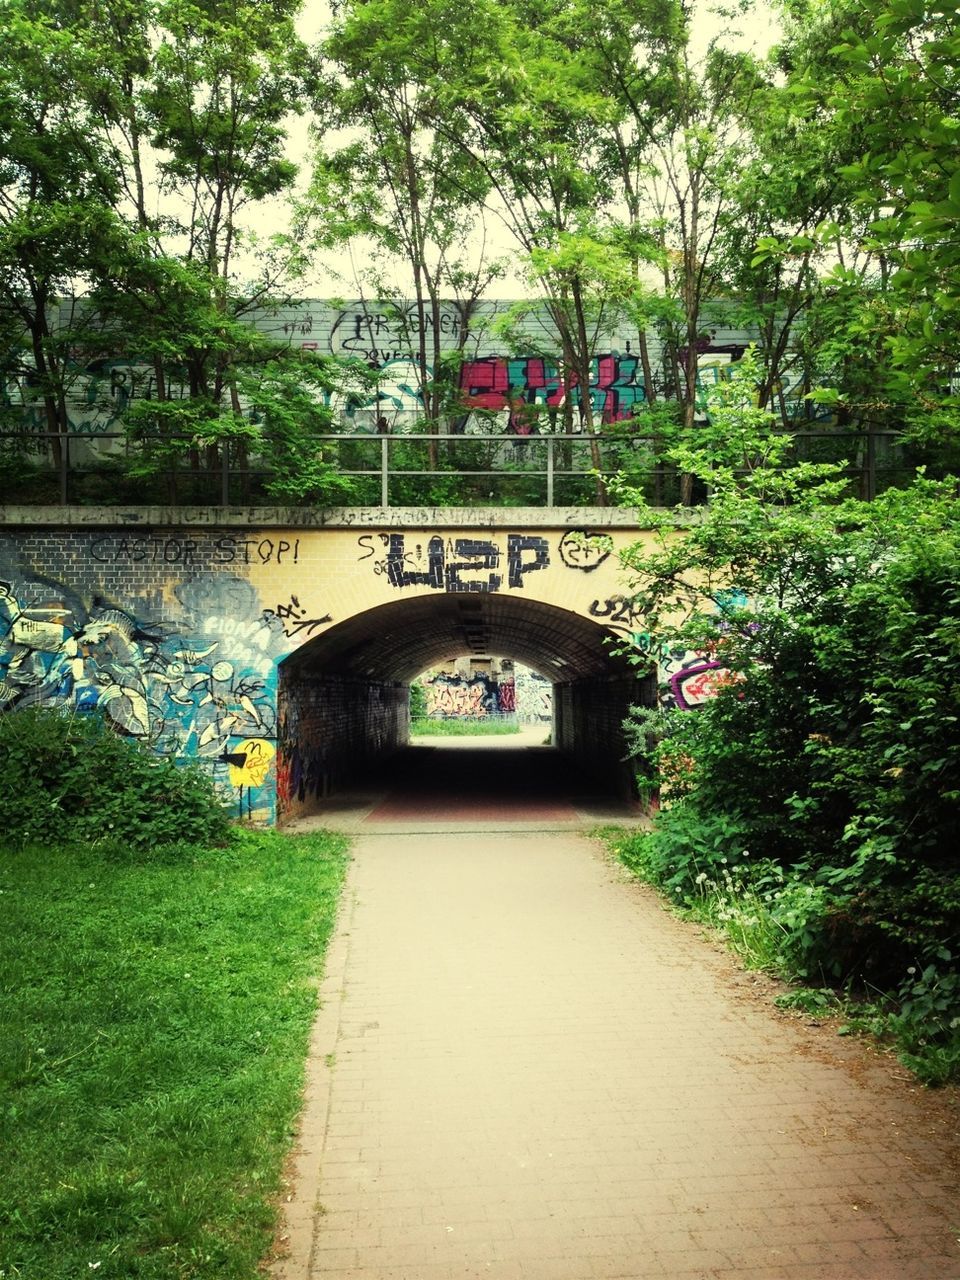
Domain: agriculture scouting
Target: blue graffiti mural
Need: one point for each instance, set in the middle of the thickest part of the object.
(201, 686)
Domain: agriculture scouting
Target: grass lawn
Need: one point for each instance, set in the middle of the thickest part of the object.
(467, 727)
(155, 1020)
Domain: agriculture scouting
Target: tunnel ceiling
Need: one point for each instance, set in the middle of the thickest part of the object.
(397, 641)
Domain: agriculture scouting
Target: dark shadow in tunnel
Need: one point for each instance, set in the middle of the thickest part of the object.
(496, 781)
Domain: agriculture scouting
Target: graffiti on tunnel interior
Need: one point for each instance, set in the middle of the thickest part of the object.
(534, 697)
(194, 687)
(454, 564)
(452, 696)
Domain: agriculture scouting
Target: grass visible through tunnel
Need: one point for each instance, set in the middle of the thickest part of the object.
(155, 1029)
(463, 727)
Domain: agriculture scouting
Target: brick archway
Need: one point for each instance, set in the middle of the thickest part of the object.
(343, 697)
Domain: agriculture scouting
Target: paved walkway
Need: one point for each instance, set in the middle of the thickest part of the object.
(525, 1070)
(475, 785)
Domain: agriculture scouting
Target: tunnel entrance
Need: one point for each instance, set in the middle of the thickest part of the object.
(343, 698)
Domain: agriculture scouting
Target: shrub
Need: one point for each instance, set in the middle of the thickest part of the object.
(69, 777)
(687, 848)
(418, 701)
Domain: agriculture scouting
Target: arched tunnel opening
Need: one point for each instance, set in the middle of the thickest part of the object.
(343, 701)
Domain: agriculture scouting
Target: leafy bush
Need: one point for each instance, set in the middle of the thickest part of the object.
(71, 778)
(418, 701)
(687, 848)
(831, 751)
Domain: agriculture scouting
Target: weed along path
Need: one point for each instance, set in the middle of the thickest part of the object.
(525, 1069)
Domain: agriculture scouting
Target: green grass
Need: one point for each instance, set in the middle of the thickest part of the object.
(468, 727)
(155, 1024)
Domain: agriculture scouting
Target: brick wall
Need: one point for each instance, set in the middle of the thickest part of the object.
(588, 725)
(178, 626)
(332, 731)
(156, 630)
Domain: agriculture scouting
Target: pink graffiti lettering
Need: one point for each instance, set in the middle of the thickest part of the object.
(527, 383)
(693, 686)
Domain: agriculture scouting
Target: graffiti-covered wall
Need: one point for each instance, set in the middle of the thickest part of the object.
(534, 695)
(507, 690)
(498, 388)
(175, 625)
(477, 696)
(156, 633)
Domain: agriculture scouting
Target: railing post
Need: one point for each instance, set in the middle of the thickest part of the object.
(225, 474)
(870, 477)
(550, 443)
(64, 468)
(385, 471)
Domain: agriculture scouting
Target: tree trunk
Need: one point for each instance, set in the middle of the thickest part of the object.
(583, 363)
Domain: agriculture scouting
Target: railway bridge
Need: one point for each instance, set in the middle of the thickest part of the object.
(277, 645)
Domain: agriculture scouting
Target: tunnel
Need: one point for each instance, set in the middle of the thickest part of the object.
(343, 698)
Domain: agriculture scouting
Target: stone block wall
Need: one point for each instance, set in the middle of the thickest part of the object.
(588, 724)
(332, 731)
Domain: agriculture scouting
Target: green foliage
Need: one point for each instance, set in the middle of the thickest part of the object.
(808, 196)
(71, 778)
(829, 759)
(838, 623)
(289, 402)
(418, 702)
(463, 727)
(156, 1022)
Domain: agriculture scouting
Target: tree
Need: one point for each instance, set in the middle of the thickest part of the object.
(528, 113)
(829, 625)
(878, 331)
(400, 184)
(789, 250)
(57, 190)
(139, 136)
(224, 77)
(610, 145)
(678, 140)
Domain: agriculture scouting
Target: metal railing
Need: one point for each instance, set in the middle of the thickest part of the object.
(392, 470)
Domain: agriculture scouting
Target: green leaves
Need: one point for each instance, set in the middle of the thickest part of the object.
(843, 625)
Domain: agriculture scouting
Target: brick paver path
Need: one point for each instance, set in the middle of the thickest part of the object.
(526, 1070)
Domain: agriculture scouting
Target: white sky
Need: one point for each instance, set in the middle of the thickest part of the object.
(336, 274)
